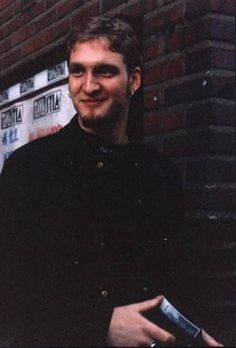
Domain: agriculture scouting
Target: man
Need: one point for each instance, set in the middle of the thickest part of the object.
(87, 215)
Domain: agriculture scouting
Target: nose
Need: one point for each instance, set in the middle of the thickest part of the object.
(90, 84)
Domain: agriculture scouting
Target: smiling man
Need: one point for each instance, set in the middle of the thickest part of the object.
(89, 223)
(100, 86)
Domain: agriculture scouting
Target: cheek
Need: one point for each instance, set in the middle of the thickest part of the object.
(119, 89)
(73, 86)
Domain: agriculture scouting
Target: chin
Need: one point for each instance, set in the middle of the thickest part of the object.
(95, 122)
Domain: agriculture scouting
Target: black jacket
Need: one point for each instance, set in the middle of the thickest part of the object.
(85, 227)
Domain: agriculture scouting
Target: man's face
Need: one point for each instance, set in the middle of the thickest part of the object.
(99, 83)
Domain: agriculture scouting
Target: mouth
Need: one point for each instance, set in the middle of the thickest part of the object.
(93, 101)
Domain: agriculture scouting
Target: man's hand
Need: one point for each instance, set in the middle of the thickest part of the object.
(128, 327)
(210, 341)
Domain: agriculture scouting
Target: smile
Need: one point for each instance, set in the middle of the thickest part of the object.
(93, 102)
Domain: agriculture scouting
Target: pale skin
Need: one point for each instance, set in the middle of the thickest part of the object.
(100, 87)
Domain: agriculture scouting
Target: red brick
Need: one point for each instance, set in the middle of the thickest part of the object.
(60, 30)
(11, 26)
(108, 5)
(5, 45)
(46, 37)
(26, 32)
(166, 70)
(88, 11)
(223, 6)
(196, 32)
(45, 20)
(150, 5)
(197, 89)
(222, 142)
(196, 8)
(171, 144)
(179, 143)
(153, 48)
(5, 3)
(66, 7)
(50, 3)
(164, 19)
(211, 198)
(210, 170)
(156, 122)
(134, 10)
(28, 47)
(223, 59)
(174, 41)
(152, 98)
(1, 63)
(211, 112)
(210, 58)
(11, 58)
(222, 29)
(33, 11)
(17, 7)
(6, 14)
(216, 28)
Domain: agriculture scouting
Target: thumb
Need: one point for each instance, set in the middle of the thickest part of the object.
(149, 304)
(210, 340)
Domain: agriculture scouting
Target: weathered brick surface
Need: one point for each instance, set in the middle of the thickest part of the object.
(210, 86)
(5, 3)
(50, 3)
(210, 58)
(22, 34)
(213, 197)
(44, 21)
(89, 11)
(33, 11)
(152, 98)
(153, 47)
(5, 45)
(155, 122)
(108, 5)
(196, 8)
(215, 169)
(66, 7)
(160, 20)
(211, 112)
(164, 70)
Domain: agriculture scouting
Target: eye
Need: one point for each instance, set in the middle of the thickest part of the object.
(76, 70)
(106, 71)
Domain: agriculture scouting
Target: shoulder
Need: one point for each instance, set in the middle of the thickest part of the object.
(38, 153)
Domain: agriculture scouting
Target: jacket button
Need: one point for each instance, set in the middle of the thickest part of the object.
(104, 293)
(100, 165)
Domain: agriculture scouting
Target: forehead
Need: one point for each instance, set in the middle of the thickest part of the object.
(95, 51)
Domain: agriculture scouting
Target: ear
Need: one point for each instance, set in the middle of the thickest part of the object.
(135, 79)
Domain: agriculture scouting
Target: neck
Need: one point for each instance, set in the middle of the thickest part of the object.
(111, 133)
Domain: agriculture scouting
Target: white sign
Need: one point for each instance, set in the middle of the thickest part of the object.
(33, 118)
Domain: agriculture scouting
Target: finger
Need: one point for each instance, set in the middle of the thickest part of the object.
(156, 333)
(210, 341)
(148, 304)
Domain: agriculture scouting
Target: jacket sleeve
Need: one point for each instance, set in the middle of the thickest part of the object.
(36, 308)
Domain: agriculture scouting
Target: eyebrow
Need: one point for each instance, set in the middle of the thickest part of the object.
(73, 67)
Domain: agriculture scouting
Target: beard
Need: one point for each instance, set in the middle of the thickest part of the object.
(115, 113)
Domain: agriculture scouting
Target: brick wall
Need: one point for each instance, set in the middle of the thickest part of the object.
(189, 63)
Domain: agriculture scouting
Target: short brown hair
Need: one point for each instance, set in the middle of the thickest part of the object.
(119, 33)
